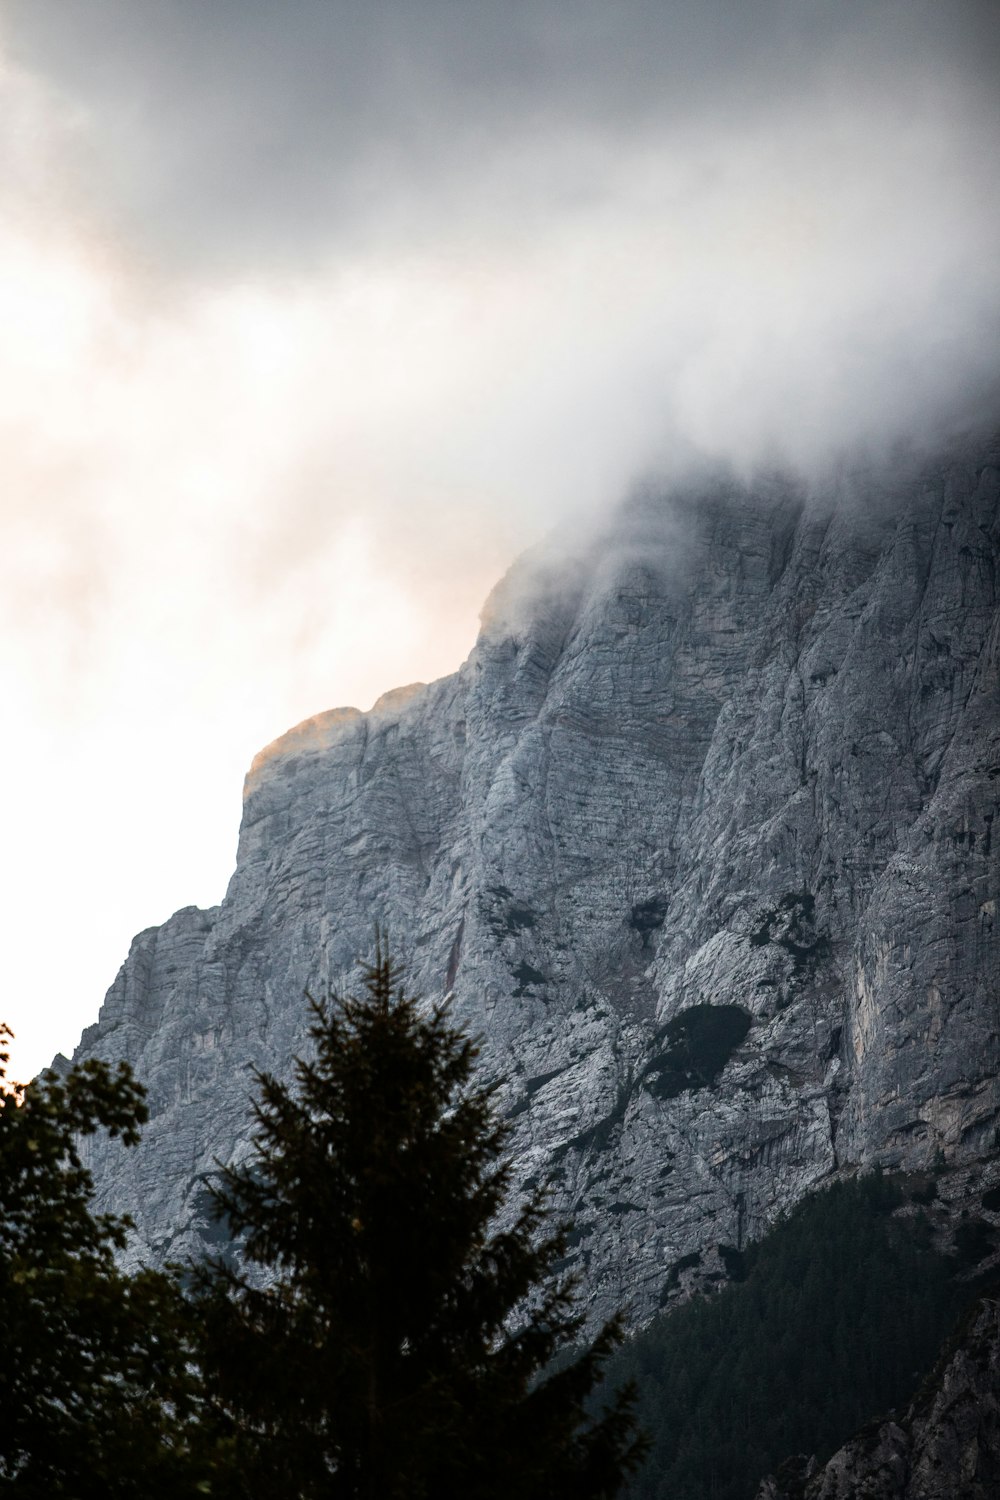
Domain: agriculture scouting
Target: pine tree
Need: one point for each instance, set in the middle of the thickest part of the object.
(383, 1336)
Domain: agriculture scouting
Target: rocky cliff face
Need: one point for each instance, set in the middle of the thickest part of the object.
(945, 1445)
(702, 839)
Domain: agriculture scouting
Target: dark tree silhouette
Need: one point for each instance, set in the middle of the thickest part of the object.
(391, 1328)
(97, 1393)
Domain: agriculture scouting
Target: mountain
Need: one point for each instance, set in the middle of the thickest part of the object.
(701, 838)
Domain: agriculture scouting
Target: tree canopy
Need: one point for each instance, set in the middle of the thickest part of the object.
(390, 1324)
(835, 1316)
(97, 1397)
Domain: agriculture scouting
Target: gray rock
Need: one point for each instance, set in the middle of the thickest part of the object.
(741, 750)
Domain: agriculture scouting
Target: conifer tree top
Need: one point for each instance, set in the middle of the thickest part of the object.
(409, 1311)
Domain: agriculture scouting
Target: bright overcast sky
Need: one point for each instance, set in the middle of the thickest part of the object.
(314, 313)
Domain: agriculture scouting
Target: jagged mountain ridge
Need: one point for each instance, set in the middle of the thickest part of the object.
(701, 838)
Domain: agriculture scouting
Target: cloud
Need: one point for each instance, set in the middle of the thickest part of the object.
(274, 281)
(314, 314)
(240, 131)
(737, 226)
(595, 246)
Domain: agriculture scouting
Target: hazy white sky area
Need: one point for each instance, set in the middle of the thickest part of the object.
(313, 315)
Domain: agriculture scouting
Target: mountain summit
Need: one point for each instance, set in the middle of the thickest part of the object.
(701, 838)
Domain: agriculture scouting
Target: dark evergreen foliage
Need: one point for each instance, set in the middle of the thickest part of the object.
(367, 1348)
(397, 1328)
(96, 1394)
(842, 1310)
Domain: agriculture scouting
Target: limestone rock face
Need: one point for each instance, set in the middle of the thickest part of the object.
(703, 837)
(946, 1445)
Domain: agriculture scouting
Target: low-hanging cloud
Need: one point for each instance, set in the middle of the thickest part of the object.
(623, 228)
(313, 314)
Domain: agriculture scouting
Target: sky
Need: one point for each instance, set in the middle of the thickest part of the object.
(314, 314)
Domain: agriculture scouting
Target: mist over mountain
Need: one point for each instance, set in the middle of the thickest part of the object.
(323, 313)
(701, 839)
